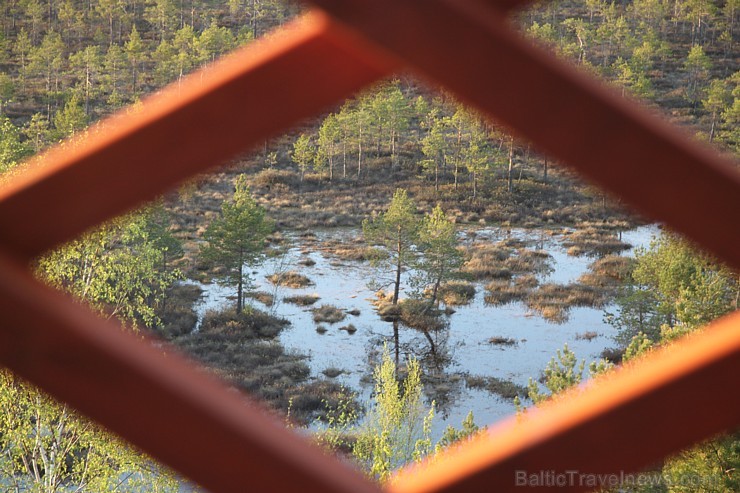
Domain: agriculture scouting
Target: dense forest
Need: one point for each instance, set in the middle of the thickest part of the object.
(412, 174)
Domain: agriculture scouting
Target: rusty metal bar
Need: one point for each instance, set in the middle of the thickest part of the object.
(190, 127)
(162, 404)
(655, 167)
(622, 423)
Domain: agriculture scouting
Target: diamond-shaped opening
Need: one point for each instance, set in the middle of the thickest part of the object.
(385, 162)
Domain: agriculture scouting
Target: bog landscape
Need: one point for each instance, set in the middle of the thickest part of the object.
(388, 278)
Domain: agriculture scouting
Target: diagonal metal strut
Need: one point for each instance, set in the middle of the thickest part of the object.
(253, 94)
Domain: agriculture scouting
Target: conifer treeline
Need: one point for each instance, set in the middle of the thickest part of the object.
(65, 63)
(680, 56)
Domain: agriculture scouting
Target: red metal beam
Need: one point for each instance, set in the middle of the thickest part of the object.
(189, 128)
(472, 50)
(160, 403)
(63, 348)
(622, 423)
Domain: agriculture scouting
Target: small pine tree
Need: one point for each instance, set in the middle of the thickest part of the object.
(440, 259)
(70, 119)
(697, 66)
(397, 229)
(303, 153)
(561, 373)
(236, 238)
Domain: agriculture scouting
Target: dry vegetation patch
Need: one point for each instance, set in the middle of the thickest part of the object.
(553, 301)
(593, 242)
(332, 372)
(505, 259)
(290, 279)
(505, 388)
(608, 272)
(248, 324)
(529, 262)
(456, 293)
(354, 249)
(485, 261)
(349, 328)
(267, 299)
(419, 314)
(329, 314)
(307, 261)
(502, 341)
(302, 299)
(587, 336)
(413, 312)
(268, 178)
(501, 292)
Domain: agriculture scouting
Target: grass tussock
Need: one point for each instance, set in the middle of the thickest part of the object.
(501, 292)
(456, 293)
(349, 329)
(529, 262)
(302, 299)
(419, 314)
(502, 341)
(553, 301)
(587, 336)
(251, 324)
(486, 262)
(290, 279)
(353, 249)
(527, 281)
(318, 399)
(388, 311)
(505, 388)
(608, 272)
(504, 260)
(413, 312)
(263, 297)
(593, 242)
(332, 372)
(613, 355)
(329, 314)
(268, 178)
(307, 261)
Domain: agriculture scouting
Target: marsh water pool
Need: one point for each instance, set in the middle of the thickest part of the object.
(461, 351)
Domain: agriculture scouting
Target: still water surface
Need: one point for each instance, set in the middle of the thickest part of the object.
(465, 345)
